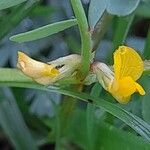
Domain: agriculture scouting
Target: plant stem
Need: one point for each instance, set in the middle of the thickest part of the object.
(100, 29)
(57, 128)
(147, 46)
(66, 111)
(90, 117)
(86, 43)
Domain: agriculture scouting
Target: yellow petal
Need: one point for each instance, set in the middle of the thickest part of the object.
(36, 69)
(124, 88)
(140, 89)
(127, 62)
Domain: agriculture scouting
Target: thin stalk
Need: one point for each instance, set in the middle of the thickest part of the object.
(86, 43)
(122, 27)
(57, 128)
(100, 29)
(147, 46)
(66, 111)
(90, 117)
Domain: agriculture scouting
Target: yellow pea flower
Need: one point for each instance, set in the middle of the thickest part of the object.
(50, 72)
(128, 67)
(38, 71)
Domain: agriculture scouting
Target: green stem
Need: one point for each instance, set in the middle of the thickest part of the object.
(147, 46)
(100, 29)
(85, 37)
(57, 128)
(90, 117)
(67, 109)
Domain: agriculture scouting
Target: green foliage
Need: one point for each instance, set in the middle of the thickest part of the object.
(134, 122)
(13, 124)
(114, 7)
(43, 31)
(104, 124)
(96, 10)
(105, 136)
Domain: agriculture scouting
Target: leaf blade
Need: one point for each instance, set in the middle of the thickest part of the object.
(131, 120)
(43, 31)
(96, 10)
(13, 124)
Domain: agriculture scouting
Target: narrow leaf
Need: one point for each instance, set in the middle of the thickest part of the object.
(106, 136)
(14, 126)
(43, 31)
(136, 123)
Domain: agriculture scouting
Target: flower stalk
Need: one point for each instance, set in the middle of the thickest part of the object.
(86, 44)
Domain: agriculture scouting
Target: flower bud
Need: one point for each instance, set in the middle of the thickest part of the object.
(104, 74)
(67, 65)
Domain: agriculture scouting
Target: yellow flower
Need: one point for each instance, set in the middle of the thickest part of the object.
(40, 72)
(48, 73)
(128, 67)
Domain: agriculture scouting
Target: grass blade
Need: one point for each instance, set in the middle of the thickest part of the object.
(12, 77)
(14, 126)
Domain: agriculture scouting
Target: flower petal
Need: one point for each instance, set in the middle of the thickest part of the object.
(35, 69)
(127, 62)
(124, 88)
(140, 89)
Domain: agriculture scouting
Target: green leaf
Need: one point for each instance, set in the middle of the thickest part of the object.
(14, 126)
(43, 31)
(9, 3)
(96, 10)
(12, 77)
(114, 138)
(114, 7)
(106, 136)
(122, 7)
